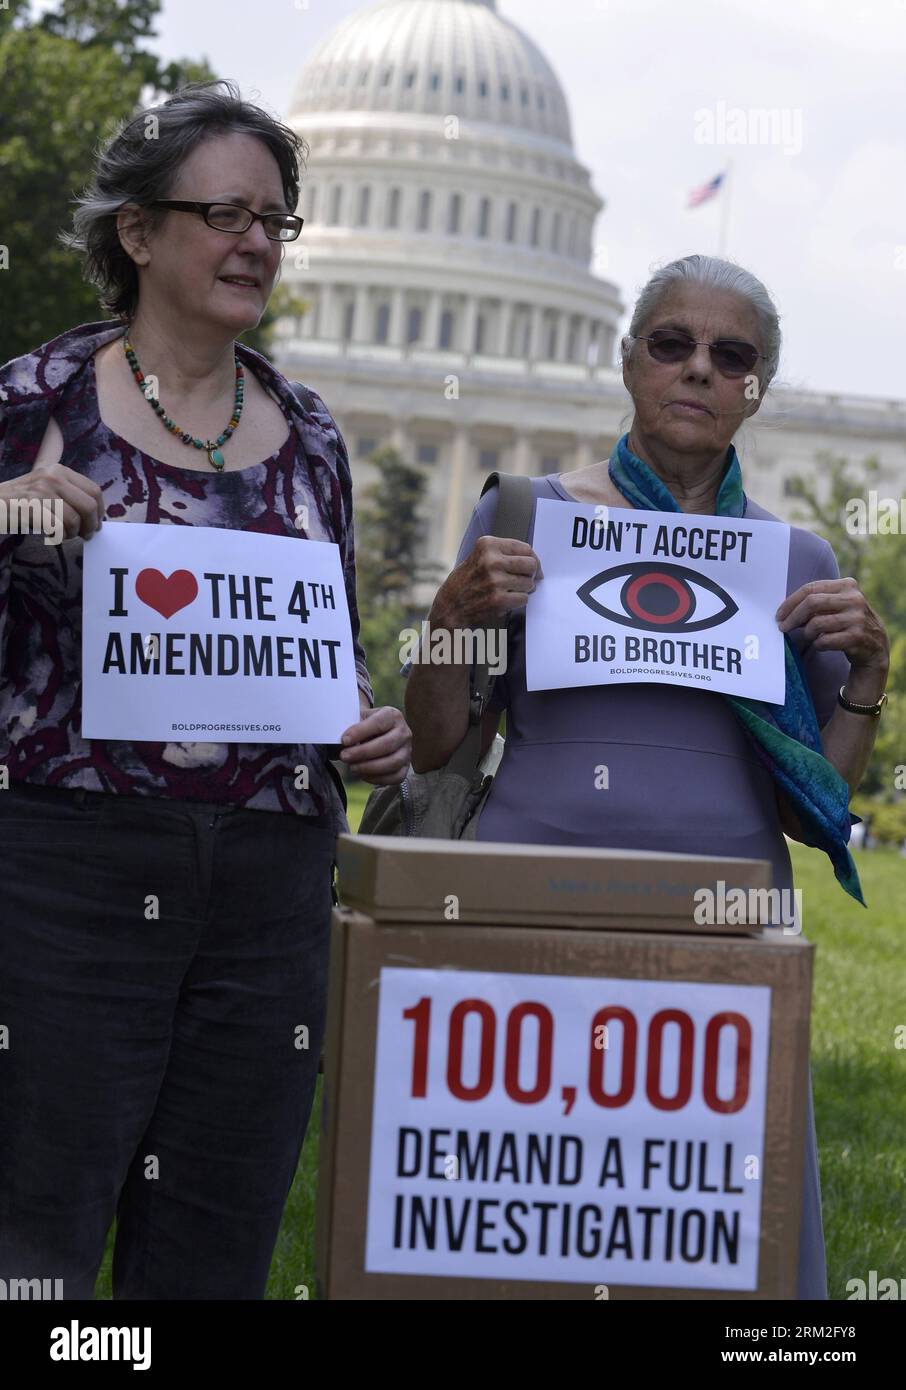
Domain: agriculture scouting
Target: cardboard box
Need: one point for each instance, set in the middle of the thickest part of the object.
(497, 1151)
(402, 880)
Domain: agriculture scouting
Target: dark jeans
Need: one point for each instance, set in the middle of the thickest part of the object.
(158, 961)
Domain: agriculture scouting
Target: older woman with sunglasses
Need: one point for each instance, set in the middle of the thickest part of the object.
(165, 906)
(688, 772)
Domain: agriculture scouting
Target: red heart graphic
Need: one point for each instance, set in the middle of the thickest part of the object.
(166, 595)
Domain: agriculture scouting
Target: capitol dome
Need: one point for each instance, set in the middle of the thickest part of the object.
(429, 57)
(448, 266)
(449, 288)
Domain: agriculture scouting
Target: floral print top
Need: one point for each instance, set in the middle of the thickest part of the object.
(308, 478)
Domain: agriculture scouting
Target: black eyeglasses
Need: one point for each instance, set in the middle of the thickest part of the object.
(731, 358)
(230, 217)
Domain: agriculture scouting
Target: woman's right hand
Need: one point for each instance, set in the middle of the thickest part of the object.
(497, 575)
(49, 480)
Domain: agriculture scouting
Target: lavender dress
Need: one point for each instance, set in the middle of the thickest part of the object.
(682, 777)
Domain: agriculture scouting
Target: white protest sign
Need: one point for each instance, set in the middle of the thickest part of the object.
(631, 595)
(567, 1129)
(201, 633)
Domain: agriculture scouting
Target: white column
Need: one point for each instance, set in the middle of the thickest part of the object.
(470, 314)
(468, 213)
(537, 323)
(402, 225)
(585, 452)
(454, 526)
(397, 307)
(561, 336)
(343, 316)
(361, 325)
(432, 320)
(523, 461)
(325, 313)
(408, 208)
(606, 345)
(504, 323)
(582, 338)
(398, 437)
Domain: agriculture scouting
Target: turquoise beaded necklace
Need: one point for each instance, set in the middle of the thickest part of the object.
(211, 446)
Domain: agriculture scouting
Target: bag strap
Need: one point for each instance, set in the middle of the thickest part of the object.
(512, 518)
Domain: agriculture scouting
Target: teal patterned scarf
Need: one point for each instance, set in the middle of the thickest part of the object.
(786, 737)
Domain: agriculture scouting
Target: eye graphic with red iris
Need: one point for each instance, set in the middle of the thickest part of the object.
(658, 598)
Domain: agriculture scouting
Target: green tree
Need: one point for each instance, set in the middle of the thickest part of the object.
(825, 508)
(884, 585)
(283, 303)
(120, 26)
(390, 535)
(10, 13)
(381, 636)
(878, 564)
(65, 81)
(390, 517)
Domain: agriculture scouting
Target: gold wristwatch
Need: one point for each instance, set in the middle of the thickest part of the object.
(874, 710)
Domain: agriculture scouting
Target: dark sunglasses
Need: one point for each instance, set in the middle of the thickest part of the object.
(230, 217)
(729, 357)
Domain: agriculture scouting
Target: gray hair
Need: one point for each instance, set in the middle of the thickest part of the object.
(135, 166)
(718, 275)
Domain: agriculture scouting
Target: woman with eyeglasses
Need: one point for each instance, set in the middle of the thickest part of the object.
(687, 771)
(161, 1064)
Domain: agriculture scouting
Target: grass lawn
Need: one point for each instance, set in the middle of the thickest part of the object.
(858, 1073)
(859, 1079)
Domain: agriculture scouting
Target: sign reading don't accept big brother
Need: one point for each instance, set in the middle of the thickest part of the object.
(204, 634)
(682, 599)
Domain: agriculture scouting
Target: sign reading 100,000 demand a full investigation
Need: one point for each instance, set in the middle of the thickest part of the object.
(576, 1130)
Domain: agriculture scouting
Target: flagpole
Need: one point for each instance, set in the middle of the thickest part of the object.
(725, 211)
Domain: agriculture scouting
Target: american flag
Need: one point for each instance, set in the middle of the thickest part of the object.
(706, 191)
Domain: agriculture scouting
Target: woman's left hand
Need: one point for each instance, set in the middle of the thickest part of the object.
(379, 747)
(836, 616)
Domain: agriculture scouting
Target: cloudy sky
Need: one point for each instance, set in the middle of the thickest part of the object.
(818, 211)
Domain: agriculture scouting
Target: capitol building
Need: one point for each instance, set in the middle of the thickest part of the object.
(448, 263)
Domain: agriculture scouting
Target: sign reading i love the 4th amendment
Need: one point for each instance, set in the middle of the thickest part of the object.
(201, 633)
